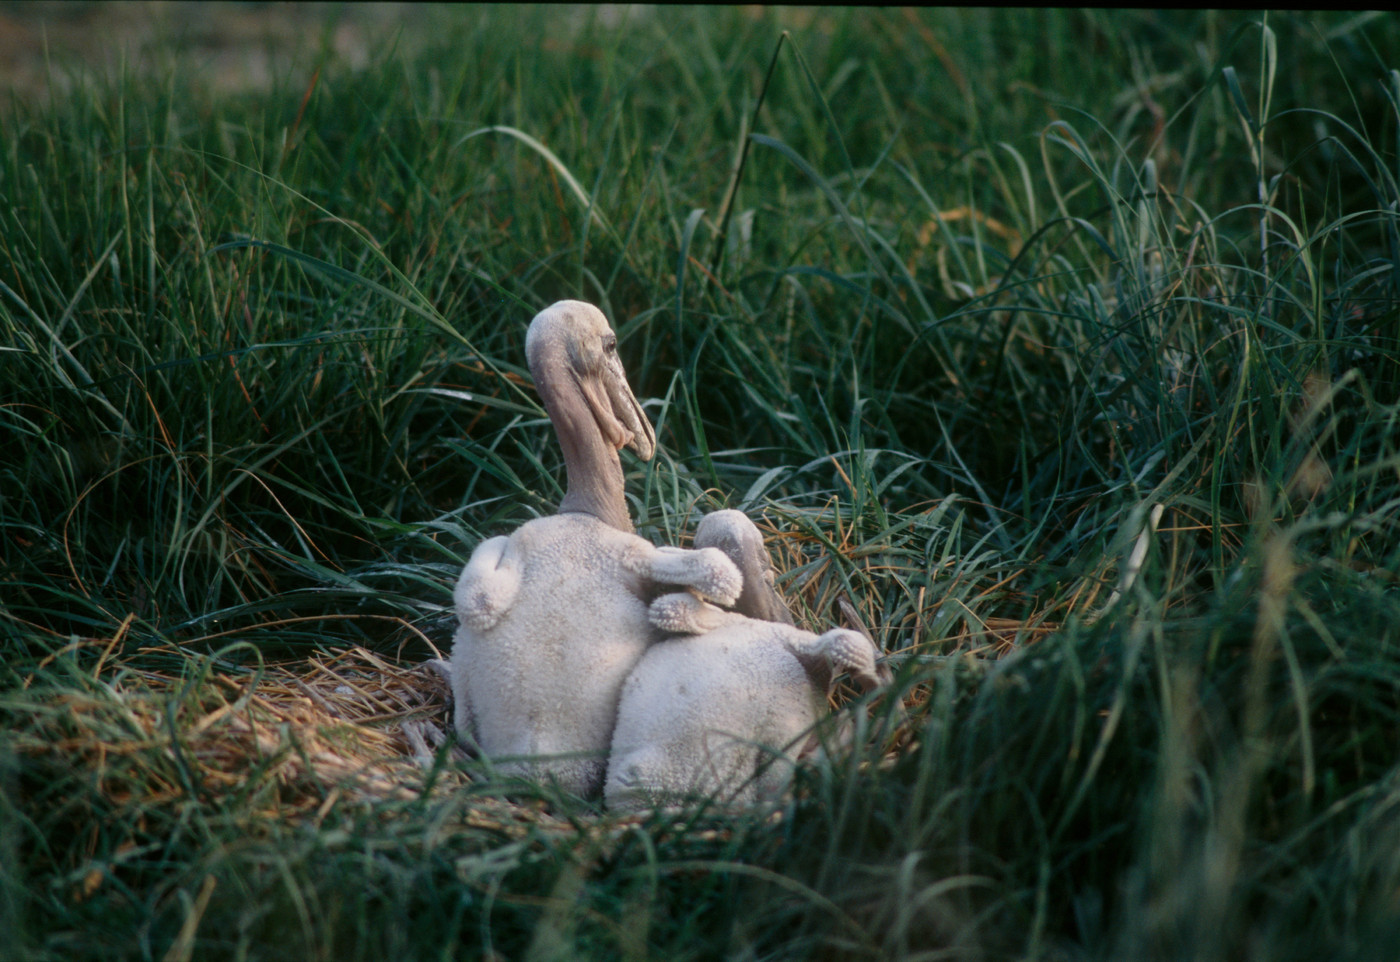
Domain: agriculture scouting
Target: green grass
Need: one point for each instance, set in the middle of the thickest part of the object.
(992, 285)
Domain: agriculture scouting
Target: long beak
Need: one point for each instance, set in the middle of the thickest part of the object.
(640, 436)
(615, 410)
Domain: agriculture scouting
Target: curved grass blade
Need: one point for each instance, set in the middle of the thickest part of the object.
(553, 160)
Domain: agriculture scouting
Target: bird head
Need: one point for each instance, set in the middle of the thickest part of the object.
(576, 336)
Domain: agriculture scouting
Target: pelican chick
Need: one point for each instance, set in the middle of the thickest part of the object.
(553, 616)
(722, 711)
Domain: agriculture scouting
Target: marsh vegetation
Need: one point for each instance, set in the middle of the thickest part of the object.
(951, 311)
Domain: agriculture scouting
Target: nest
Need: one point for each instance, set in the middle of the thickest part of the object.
(291, 740)
(341, 719)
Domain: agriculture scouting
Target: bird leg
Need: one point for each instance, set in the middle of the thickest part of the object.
(440, 668)
(707, 571)
(839, 650)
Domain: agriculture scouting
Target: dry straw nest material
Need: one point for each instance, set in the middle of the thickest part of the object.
(287, 741)
(294, 739)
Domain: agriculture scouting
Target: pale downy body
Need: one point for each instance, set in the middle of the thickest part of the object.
(553, 616)
(724, 709)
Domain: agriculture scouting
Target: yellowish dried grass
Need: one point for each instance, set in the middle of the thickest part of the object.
(298, 738)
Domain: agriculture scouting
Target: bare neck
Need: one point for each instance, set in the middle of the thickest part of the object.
(595, 484)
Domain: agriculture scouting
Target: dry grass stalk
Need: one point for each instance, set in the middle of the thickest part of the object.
(299, 736)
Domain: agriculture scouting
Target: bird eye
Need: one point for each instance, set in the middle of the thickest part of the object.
(610, 343)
